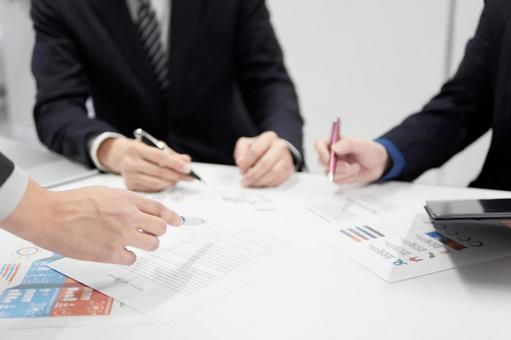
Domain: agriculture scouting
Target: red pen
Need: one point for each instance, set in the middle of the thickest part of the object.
(334, 138)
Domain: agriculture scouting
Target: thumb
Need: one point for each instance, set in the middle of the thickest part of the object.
(185, 157)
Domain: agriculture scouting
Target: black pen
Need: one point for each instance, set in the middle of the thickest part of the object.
(146, 138)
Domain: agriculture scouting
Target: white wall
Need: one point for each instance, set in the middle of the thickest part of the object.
(373, 62)
(18, 42)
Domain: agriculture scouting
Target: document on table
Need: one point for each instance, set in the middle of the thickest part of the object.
(396, 247)
(194, 265)
(197, 198)
(34, 296)
(363, 202)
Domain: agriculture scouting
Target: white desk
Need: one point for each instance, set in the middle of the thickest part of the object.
(325, 295)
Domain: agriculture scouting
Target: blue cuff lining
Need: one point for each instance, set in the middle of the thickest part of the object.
(397, 158)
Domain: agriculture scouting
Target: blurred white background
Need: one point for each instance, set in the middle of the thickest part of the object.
(372, 62)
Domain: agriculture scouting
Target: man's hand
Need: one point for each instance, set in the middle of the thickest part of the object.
(358, 161)
(264, 161)
(92, 224)
(144, 168)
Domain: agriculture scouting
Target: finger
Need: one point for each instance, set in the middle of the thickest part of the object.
(157, 209)
(280, 172)
(123, 257)
(146, 183)
(256, 150)
(165, 159)
(150, 224)
(352, 174)
(150, 169)
(241, 148)
(347, 146)
(323, 150)
(342, 169)
(143, 241)
(276, 152)
(347, 180)
(184, 157)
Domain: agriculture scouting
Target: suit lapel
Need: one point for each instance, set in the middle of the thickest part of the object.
(185, 25)
(117, 18)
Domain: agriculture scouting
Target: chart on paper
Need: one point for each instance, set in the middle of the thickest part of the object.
(397, 248)
(35, 296)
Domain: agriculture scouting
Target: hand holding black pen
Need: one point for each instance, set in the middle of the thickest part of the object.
(148, 139)
(144, 167)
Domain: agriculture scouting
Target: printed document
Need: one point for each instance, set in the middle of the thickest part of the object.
(194, 265)
(399, 247)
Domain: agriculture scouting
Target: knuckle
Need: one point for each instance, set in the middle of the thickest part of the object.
(162, 229)
(132, 258)
(271, 134)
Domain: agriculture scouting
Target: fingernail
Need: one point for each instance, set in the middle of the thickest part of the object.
(186, 169)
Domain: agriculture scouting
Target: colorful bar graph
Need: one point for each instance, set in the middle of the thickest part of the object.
(9, 271)
(350, 236)
(362, 233)
(446, 241)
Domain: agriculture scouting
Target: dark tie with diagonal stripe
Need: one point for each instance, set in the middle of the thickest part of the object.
(150, 35)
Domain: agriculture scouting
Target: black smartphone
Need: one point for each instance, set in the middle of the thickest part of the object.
(469, 209)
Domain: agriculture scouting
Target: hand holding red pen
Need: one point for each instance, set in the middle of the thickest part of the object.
(358, 160)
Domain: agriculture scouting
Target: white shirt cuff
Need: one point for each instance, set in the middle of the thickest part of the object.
(12, 192)
(94, 145)
(297, 155)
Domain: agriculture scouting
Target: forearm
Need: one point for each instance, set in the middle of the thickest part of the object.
(31, 215)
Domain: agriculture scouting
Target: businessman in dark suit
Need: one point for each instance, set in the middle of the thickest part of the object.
(475, 100)
(207, 77)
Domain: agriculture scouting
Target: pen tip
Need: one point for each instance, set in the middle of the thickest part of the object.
(331, 177)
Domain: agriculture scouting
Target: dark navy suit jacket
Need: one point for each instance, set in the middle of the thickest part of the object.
(477, 99)
(227, 77)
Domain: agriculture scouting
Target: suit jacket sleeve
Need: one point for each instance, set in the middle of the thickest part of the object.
(6, 169)
(266, 87)
(13, 183)
(60, 113)
(456, 117)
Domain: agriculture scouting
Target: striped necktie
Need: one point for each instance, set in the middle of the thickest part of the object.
(150, 36)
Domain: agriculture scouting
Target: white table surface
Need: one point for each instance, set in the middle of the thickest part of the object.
(325, 295)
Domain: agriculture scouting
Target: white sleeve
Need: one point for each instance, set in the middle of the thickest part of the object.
(94, 145)
(296, 155)
(12, 192)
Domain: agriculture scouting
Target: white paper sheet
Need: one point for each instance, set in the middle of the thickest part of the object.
(400, 247)
(194, 265)
(363, 202)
